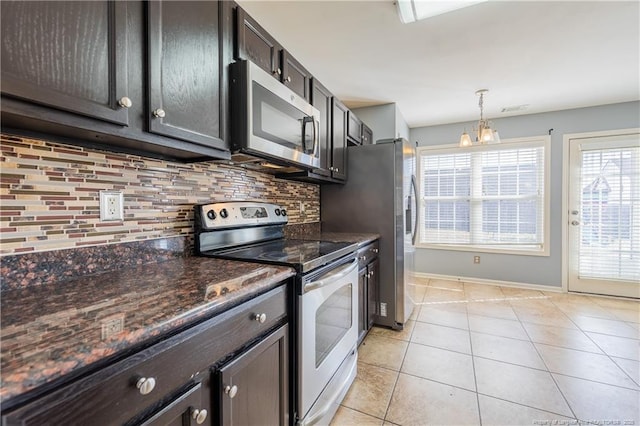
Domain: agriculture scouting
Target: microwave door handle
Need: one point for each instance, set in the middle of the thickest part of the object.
(316, 138)
(305, 120)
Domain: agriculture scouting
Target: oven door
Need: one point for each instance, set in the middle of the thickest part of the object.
(328, 309)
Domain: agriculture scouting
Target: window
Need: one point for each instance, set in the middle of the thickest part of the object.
(486, 197)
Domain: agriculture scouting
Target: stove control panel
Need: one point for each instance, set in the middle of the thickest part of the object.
(237, 214)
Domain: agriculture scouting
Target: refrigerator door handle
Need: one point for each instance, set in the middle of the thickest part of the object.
(414, 189)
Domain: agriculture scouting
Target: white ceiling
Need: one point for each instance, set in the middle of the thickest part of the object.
(550, 55)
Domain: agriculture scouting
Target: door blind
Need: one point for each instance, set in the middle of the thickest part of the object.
(610, 214)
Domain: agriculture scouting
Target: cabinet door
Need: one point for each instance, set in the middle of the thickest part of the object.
(253, 43)
(339, 140)
(186, 410)
(295, 76)
(254, 386)
(373, 271)
(184, 71)
(321, 99)
(354, 128)
(67, 55)
(362, 304)
(367, 135)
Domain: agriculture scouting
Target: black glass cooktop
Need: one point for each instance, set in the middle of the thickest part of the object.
(303, 255)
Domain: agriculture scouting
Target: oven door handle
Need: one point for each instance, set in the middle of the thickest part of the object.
(338, 273)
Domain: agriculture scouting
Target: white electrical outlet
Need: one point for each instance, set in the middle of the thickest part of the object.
(383, 309)
(111, 205)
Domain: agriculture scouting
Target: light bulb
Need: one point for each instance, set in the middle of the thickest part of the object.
(465, 140)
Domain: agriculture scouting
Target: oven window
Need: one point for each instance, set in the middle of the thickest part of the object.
(333, 320)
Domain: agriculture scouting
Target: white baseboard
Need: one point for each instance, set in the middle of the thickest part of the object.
(484, 281)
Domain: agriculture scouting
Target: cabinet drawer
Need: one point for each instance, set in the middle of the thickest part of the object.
(114, 395)
(368, 253)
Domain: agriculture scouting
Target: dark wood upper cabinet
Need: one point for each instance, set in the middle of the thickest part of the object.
(253, 43)
(321, 99)
(295, 76)
(354, 129)
(185, 71)
(339, 140)
(367, 135)
(79, 66)
(254, 387)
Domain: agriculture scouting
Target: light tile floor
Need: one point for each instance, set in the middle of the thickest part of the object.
(481, 354)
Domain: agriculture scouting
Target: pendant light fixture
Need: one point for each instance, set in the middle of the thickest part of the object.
(484, 133)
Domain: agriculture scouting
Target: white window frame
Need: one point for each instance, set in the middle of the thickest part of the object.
(515, 143)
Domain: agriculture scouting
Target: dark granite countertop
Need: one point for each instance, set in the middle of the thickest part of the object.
(360, 238)
(56, 329)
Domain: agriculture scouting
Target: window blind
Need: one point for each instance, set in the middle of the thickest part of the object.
(610, 214)
(486, 196)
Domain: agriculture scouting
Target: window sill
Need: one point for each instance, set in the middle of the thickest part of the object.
(485, 249)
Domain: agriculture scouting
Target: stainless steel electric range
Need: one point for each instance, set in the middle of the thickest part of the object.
(326, 299)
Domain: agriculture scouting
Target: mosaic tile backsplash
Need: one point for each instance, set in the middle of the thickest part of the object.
(49, 195)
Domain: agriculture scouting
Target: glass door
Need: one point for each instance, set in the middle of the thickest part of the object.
(604, 215)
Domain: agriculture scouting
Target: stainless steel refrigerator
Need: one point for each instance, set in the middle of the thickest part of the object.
(380, 196)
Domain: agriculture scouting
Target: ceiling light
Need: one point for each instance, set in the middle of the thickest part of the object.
(484, 133)
(415, 10)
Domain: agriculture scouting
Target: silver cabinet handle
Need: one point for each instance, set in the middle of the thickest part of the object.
(375, 250)
(261, 318)
(199, 415)
(288, 79)
(363, 258)
(278, 71)
(231, 391)
(125, 102)
(159, 113)
(146, 385)
(574, 212)
(331, 168)
(575, 223)
(337, 169)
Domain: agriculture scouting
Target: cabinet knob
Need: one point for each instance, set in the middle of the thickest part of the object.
(125, 102)
(574, 212)
(146, 385)
(159, 113)
(231, 390)
(375, 250)
(278, 71)
(337, 169)
(261, 318)
(199, 415)
(363, 258)
(288, 79)
(575, 223)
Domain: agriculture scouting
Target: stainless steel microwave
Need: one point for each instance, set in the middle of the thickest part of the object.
(270, 121)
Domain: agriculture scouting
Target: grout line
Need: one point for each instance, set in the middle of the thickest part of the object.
(566, 401)
(393, 391)
(525, 405)
(473, 367)
(633, 380)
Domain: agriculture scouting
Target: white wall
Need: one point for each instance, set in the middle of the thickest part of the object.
(544, 270)
(385, 121)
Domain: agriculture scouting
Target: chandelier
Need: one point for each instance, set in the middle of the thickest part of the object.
(484, 133)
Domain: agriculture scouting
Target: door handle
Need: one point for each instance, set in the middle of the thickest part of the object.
(575, 223)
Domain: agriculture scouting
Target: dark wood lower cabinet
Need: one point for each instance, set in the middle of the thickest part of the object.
(254, 386)
(180, 389)
(368, 283)
(186, 410)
